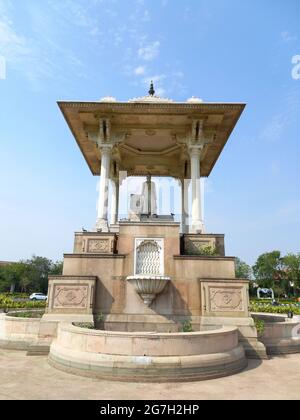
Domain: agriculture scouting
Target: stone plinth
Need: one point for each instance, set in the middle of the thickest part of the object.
(226, 302)
(202, 290)
(117, 299)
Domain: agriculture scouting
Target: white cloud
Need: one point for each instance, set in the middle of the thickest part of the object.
(74, 12)
(290, 106)
(150, 51)
(12, 45)
(146, 16)
(286, 36)
(275, 127)
(140, 70)
(35, 58)
(2, 68)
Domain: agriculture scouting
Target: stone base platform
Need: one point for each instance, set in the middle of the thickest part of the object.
(281, 335)
(147, 357)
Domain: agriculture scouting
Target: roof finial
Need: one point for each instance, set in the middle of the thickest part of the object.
(151, 90)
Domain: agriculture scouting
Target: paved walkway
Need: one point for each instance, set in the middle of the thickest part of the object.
(25, 377)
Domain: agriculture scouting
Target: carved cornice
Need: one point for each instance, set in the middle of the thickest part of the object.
(176, 106)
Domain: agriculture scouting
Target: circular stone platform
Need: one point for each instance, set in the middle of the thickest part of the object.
(153, 357)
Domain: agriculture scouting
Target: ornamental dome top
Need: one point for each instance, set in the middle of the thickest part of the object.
(151, 98)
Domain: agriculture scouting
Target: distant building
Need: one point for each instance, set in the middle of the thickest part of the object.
(6, 262)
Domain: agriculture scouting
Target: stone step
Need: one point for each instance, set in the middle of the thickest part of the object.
(38, 350)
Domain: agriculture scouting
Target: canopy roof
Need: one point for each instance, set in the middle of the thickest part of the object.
(156, 132)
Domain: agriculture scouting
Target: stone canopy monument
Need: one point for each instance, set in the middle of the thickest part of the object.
(149, 272)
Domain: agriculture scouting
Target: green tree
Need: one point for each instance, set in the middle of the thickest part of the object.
(56, 268)
(242, 269)
(11, 276)
(269, 272)
(291, 268)
(28, 276)
(39, 269)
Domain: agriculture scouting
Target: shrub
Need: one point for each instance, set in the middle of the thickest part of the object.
(187, 326)
(268, 308)
(7, 302)
(260, 326)
(208, 250)
(88, 325)
(28, 314)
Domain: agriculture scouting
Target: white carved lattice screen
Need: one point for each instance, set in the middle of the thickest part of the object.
(148, 258)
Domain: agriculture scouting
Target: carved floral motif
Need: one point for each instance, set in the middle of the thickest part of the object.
(98, 245)
(225, 299)
(70, 296)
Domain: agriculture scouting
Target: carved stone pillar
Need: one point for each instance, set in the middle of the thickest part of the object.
(197, 225)
(185, 205)
(102, 221)
(114, 205)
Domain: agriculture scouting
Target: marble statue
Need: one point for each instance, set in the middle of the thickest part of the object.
(148, 196)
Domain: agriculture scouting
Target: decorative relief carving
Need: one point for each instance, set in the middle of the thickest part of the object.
(70, 296)
(98, 245)
(225, 299)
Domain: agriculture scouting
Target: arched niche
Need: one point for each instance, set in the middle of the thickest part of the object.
(149, 257)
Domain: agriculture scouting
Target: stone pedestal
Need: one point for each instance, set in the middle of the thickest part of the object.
(201, 289)
(226, 302)
(71, 295)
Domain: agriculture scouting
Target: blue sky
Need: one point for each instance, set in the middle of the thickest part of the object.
(218, 50)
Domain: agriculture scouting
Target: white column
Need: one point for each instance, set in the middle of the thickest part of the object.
(184, 205)
(197, 222)
(103, 189)
(114, 203)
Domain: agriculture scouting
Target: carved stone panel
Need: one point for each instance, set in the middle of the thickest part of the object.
(225, 299)
(71, 296)
(98, 245)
